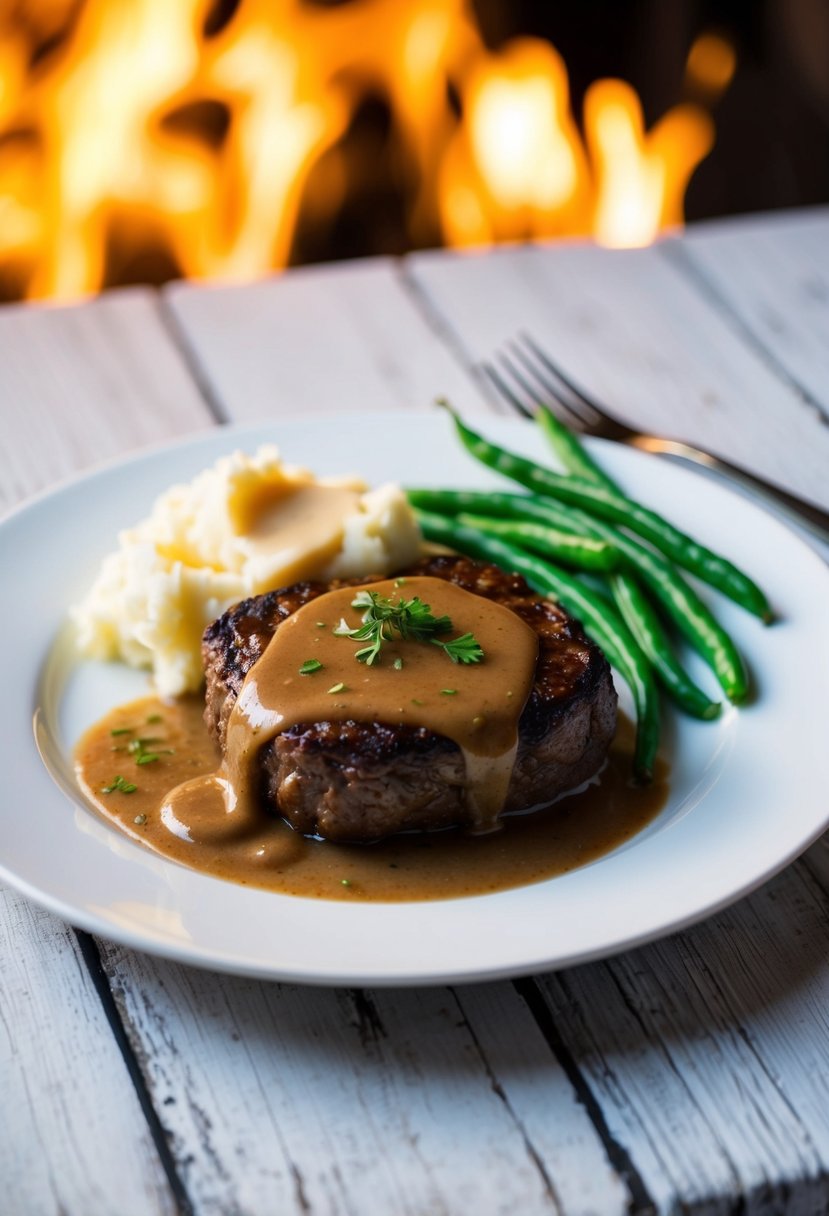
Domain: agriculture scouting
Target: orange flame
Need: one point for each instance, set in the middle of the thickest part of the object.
(640, 178)
(106, 136)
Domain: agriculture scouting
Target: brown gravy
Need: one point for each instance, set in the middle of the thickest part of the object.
(418, 866)
(298, 526)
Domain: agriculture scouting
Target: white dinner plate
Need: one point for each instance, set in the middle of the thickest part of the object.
(748, 792)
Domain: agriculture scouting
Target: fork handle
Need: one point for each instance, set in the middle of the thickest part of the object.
(809, 516)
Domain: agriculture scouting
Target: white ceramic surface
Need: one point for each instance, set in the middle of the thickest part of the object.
(748, 794)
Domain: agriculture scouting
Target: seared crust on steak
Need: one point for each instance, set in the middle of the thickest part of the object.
(362, 781)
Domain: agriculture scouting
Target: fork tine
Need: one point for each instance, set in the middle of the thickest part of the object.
(552, 394)
(562, 377)
(506, 392)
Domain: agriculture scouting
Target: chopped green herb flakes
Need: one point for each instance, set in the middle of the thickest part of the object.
(120, 786)
(144, 750)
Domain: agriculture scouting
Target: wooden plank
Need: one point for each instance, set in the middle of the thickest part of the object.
(771, 274)
(291, 1099)
(709, 1054)
(317, 340)
(640, 336)
(84, 384)
(74, 1137)
(77, 386)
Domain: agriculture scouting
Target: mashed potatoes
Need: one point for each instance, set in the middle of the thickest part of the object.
(245, 526)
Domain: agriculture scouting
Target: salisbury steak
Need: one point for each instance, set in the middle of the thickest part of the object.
(356, 781)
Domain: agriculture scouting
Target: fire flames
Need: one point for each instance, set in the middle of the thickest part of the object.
(139, 122)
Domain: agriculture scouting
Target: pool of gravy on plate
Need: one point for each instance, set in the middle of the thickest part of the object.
(415, 866)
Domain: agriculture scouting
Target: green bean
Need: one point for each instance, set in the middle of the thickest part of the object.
(634, 606)
(599, 617)
(498, 503)
(572, 548)
(692, 617)
(570, 451)
(682, 549)
(640, 618)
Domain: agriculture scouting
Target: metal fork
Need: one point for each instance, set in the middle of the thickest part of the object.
(528, 377)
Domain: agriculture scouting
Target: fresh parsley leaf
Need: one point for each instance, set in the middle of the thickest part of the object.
(464, 649)
(411, 619)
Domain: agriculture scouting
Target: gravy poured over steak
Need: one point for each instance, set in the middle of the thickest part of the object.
(358, 781)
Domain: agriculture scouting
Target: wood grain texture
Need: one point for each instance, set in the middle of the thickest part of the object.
(74, 1138)
(709, 1053)
(84, 384)
(317, 340)
(77, 386)
(771, 273)
(290, 1099)
(637, 332)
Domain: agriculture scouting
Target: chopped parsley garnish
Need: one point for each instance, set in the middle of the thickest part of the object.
(144, 750)
(122, 730)
(412, 620)
(337, 687)
(309, 667)
(449, 692)
(119, 785)
(153, 718)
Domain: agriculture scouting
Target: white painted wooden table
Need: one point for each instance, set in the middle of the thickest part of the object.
(691, 1075)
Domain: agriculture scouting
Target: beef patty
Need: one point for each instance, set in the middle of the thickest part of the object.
(358, 781)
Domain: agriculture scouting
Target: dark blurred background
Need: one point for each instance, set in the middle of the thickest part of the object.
(772, 146)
